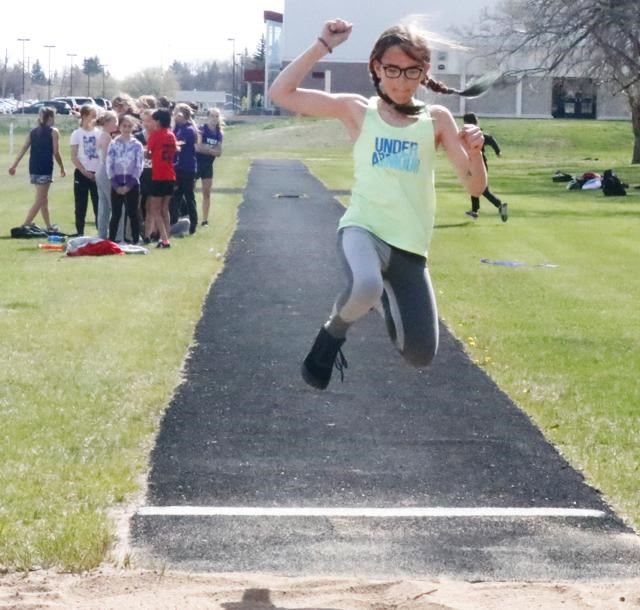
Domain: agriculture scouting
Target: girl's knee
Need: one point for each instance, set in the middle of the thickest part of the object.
(367, 290)
(421, 356)
(419, 360)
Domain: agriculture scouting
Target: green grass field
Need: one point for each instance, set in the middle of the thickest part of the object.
(93, 348)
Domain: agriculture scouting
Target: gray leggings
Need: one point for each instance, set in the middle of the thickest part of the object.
(394, 282)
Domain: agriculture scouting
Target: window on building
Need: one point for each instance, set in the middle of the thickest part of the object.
(573, 98)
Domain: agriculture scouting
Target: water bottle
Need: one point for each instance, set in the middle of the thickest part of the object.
(56, 239)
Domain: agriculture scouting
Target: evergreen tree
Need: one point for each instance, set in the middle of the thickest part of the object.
(38, 76)
(260, 53)
(91, 66)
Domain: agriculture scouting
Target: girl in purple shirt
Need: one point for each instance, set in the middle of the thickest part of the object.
(184, 199)
(125, 159)
(210, 147)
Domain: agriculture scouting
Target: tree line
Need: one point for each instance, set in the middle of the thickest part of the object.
(90, 77)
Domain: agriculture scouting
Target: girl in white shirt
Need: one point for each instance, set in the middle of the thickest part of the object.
(84, 155)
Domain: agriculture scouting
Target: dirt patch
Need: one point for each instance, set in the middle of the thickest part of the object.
(157, 590)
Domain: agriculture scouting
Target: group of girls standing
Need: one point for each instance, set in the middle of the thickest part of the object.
(129, 158)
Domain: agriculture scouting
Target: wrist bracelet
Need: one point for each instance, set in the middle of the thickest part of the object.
(325, 44)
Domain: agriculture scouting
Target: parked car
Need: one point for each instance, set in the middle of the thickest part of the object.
(7, 107)
(59, 106)
(81, 101)
(103, 102)
(76, 102)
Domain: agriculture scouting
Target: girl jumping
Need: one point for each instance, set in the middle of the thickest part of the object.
(385, 233)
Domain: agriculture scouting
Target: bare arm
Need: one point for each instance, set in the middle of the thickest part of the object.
(75, 160)
(287, 93)
(212, 151)
(78, 164)
(463, 149)
(103, 143)
(56, 151)
(23, 150)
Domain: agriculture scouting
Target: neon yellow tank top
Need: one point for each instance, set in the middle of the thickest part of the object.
(394, 194)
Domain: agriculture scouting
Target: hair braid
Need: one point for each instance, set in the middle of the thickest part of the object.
(439, 87)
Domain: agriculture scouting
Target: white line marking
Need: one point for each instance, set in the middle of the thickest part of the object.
(260, 511)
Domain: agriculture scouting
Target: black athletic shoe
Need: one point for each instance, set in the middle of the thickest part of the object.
(205, 223)
(324, 355)
(472, 214)
(504, 213)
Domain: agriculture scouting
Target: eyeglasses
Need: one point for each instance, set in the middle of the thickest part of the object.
(412, 72)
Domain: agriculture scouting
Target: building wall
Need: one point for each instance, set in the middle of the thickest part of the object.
(536, 97)
(612, 107)
(345, 78)
(498, 101)
(303, 21)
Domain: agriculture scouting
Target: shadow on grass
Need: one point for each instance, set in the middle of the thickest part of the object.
(455, 225)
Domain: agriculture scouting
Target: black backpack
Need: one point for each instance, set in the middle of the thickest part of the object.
(28, 232)
(611, 185)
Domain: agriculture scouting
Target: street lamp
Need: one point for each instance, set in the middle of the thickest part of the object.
(71, 55)
(103, 89)
(23, 40)
(49, 47)
(240, 77)
(233, 74)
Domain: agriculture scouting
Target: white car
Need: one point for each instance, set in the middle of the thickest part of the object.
(7, 107)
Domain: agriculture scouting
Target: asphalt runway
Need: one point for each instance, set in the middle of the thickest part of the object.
(394, 472)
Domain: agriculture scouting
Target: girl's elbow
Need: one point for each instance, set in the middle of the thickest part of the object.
(279, 94)
(274, 94)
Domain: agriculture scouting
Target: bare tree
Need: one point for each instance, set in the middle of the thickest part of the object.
(598, 39)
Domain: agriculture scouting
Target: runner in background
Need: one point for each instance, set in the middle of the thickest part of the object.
(471, 119)
(43, 141)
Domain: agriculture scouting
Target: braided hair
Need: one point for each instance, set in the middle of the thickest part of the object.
(415, 46)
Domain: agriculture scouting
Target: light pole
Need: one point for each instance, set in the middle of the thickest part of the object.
(103, 89)
(240, 77)
(23, 40)
(49, 47)
(233, 74)
(71, 56)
